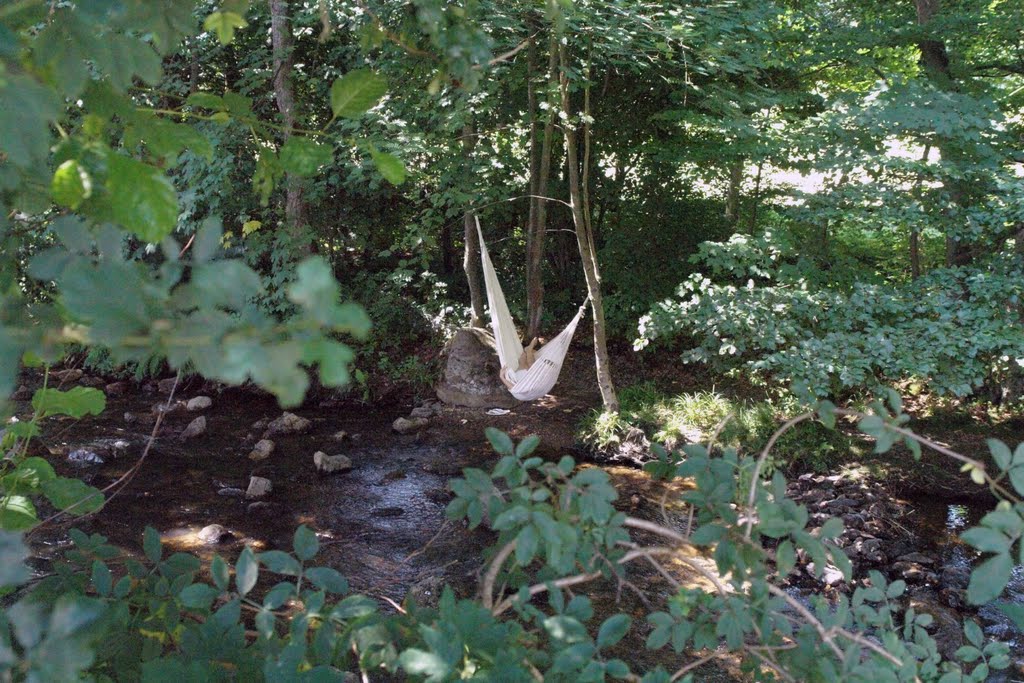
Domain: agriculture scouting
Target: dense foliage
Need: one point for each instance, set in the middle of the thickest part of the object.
(117, 617)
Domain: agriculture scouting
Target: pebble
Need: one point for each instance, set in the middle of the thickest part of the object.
(199, 403)
(214, 534)
(165, 386)
(288, 423)
(116, 389)
(340, 436)
(84, 457)
(331, 463)
(262, 450)
(259, 506)
(258, 487)
(195, 428)
(919, 558)
(231, 492)
(162, 407)
(72, 375)
(407, 426)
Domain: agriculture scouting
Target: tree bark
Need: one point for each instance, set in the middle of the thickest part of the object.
(935, 62)
(584, 240)
(471, 258)
(537, 229)
(284, 94)
(732, 198)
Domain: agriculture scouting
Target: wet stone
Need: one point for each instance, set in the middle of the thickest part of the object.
(195, 428)
(331, 463)
(258, 487)
(911, 571)
(199, 403)
(919, 558)
(84, 458)
(407, 426)
(288, 423)
(231, 492)
(214, 534)
(262, 450)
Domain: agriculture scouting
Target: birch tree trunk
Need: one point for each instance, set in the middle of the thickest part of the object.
(284, 94)
(584, 239)
(537, 229)
(471, 258)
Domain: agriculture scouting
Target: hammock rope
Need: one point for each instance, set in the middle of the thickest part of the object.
(535, 381)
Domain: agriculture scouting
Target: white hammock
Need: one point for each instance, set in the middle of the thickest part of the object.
(528, 384)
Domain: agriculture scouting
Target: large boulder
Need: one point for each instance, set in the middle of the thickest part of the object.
(471, 372)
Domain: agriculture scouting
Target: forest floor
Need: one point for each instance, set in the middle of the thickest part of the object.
(382, 523)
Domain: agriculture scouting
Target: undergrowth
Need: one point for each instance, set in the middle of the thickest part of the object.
(677, 419)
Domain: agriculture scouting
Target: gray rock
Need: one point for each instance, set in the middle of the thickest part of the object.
(262, 450)
(288, 423)
(956, 577)
(195, 428)
(331, 463)
(946, 627)
(340, 436)
(231, 492)
(919, 558)
(83, 457)
(163, 407)
(165, 386)
(72, 375)
(911, 571)
(407, 426)
(471, 372)
(199, 403)
(116, 389)
(422, 411)
(260, 425)
(214, 534)
(258, 487)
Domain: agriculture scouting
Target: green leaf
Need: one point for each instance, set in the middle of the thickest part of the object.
(304, 157)
(28, 476)
(206, 100)
(71, 184)
(613, 630)
(280, 562)
(527, 446)
(224, 24)
(500, 441)
(989, 578)
(141, 197)
(327, 579)
(17, 513)
(102, 579)
(785, 557)
(73, 496)
(1000, 453)
(246, 571)
(13, 553)
(76, 402)
(986, 540)
(198, 596)
(305, 543)
(152, 545)
(220, 573)
(390, 166)
(973, 633)
(357, 92)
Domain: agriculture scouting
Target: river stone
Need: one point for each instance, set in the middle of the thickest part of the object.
(471, 369)
(195, 428)
(258, 487)
(84, 457)
(231, 492)
(72, 375)
(199, 403)
(214, 534)
(331, 463)
(406, 425)
(262, 450)
(288, 423)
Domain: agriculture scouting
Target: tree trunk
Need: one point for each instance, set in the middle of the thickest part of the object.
(471, 259)
(935, 62)
(732, 198)
(915, 235)
(281, 40)
(537, 230)
(584, 240)
(756, 198)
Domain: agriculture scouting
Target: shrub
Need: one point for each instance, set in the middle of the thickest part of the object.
(107, 616)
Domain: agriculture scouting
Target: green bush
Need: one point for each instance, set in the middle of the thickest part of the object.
(104, 615)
